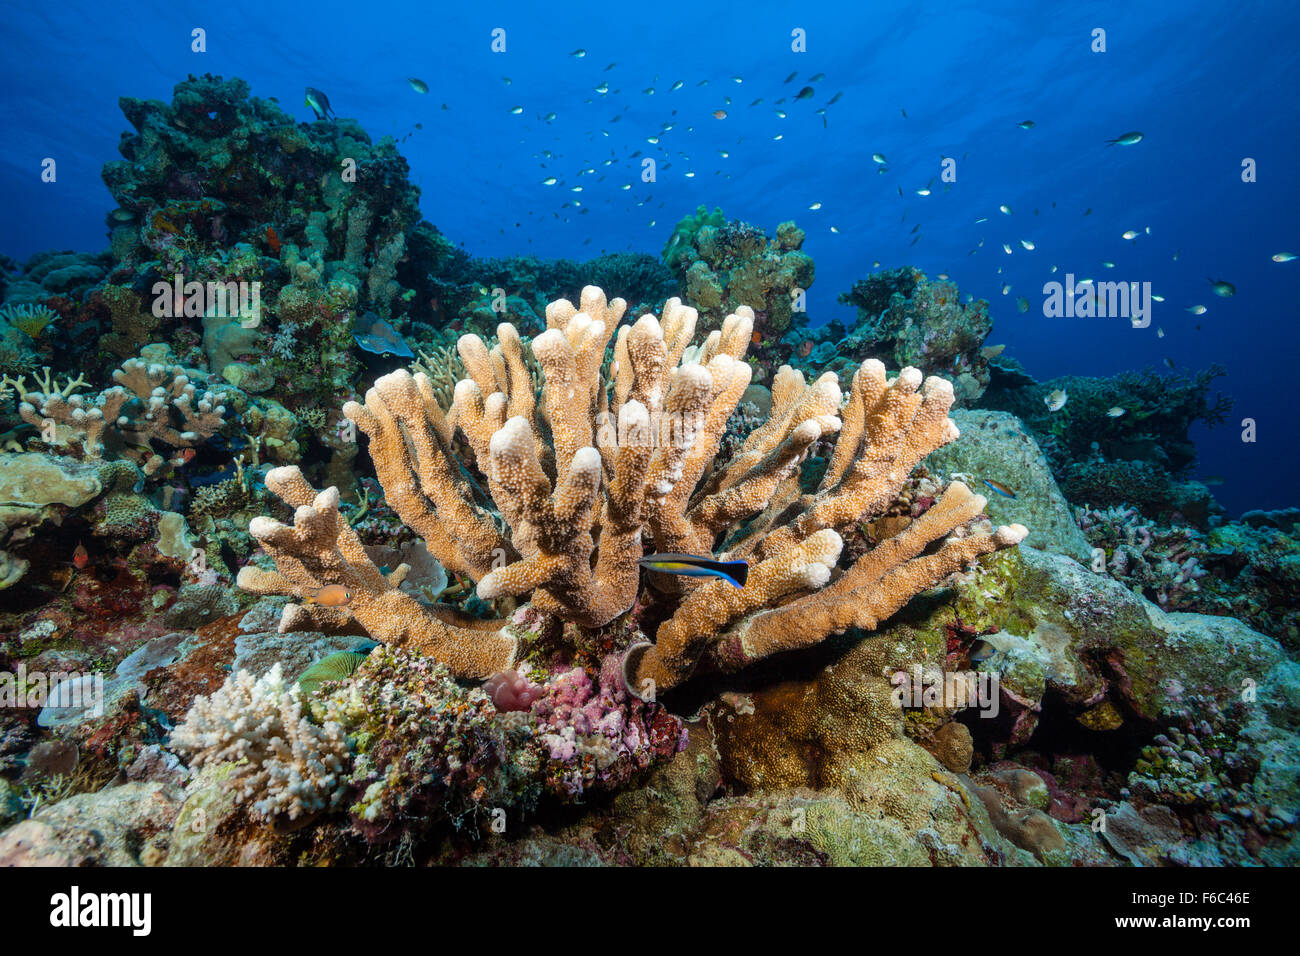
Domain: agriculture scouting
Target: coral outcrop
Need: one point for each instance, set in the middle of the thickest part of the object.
(151, 403)
(909, 319)
(723, 265)
(284, 763)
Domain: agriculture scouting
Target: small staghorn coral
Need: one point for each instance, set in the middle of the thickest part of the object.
(616, 460)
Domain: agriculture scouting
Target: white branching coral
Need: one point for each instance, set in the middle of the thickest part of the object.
(150, 402)
(282, 762)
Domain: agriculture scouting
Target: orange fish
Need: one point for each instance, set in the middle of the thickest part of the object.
(719, 114)
(805, 348)
(757, 337)
(80, 557)
(273, 240)
(331, 595)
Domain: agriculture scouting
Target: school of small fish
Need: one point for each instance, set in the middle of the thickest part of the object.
(672, 152)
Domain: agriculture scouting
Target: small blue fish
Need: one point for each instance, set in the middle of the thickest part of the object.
(698, 566)
(1000, 488)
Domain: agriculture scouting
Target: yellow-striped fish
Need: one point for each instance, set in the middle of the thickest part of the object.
(698, 566)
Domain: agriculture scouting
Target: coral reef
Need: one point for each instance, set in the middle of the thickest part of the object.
(332, 608)
(1242, 569)
(908, 319)
(408, 749)
(724, 265)
(1137, 456)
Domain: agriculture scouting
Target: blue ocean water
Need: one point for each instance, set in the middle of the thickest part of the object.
(1209, 85)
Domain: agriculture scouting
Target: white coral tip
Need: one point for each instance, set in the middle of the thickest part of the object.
(816, 575)
(1010, 534)
(548, 343)
(910, 378)
(585, 460)
(489, 587)
(283, 474)
(263, 527)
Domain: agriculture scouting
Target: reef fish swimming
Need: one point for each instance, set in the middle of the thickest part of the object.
(1004, 490)
(331, 595)
(698, 566)
(319, 103)
(1127, 139)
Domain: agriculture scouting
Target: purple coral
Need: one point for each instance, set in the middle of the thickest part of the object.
(1163, 562)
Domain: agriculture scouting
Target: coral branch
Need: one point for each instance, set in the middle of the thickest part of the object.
(322, 549)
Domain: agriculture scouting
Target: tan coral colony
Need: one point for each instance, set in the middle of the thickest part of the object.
(563, 496)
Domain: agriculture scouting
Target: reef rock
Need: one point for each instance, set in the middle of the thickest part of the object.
(1061, 636)
(128, 825)
(904, 811)
(995, 446)
(1106, 654)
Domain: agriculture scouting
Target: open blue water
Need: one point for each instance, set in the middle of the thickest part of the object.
(1209, 84)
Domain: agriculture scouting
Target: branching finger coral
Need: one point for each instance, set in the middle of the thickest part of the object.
(563, 497)
(150, 402)
(321, 548)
